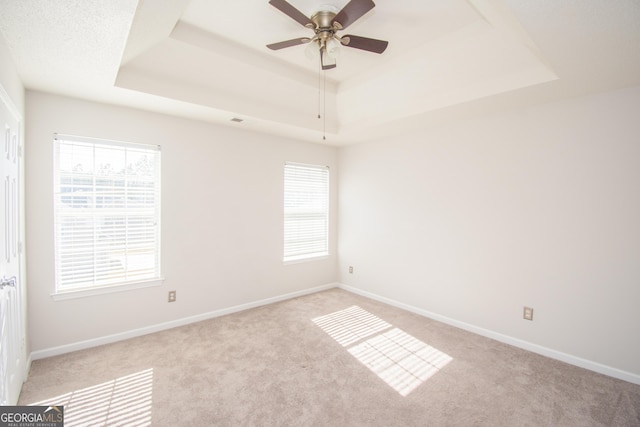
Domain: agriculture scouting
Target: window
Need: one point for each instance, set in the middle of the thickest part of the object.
(107, 213)
(306, 211)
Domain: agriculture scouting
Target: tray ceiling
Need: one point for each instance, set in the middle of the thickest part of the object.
(207, 59)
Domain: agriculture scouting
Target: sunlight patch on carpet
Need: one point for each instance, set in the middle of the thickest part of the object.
(122, 401)
(401, 360)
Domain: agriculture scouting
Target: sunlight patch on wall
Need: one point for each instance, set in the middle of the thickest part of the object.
(122, 401)
(401, 360)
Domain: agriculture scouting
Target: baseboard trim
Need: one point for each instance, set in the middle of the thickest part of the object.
(525, 345)
(68, 348)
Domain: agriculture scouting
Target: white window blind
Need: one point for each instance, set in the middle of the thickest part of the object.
(306, 211)
(107, 213)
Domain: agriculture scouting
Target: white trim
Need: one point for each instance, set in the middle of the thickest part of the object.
(107, 289)
(307, 165)
(68, 348)
(104, 141)
(300, 260)
(300, 237)
(525, 345)
(27, 368)
(534, 348)
(98, 266)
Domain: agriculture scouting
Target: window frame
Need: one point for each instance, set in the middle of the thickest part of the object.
(134, 218)
(291, 256)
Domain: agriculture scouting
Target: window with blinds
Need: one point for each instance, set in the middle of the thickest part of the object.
(107, 213)
(306, 211)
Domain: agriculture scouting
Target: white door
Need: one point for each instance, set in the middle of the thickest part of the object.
(12, 342)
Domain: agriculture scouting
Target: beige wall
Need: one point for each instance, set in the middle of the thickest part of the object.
(222, 213)
(475, 219)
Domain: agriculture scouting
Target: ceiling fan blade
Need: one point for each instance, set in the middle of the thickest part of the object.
(352, 12)
(288, 43)
(364, 43)
(292, 12)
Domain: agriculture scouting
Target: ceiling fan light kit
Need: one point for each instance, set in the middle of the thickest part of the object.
(325, 24)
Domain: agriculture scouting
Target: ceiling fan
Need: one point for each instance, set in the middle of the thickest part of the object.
(325, 24)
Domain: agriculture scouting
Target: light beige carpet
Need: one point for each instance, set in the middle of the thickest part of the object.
(327, 359)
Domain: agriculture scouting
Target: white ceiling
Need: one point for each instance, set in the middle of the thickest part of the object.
(207, 59)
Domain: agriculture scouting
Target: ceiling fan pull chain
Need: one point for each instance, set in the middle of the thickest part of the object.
(319, 87)
(324, 106)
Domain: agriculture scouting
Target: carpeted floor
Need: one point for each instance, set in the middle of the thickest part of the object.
(327, 359)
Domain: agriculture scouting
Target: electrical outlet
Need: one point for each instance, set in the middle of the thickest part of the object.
(350, 269)
(527, 313)
(172, 296)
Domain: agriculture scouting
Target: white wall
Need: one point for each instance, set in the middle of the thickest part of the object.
(469, 220)
(222, 191)
(475, 219)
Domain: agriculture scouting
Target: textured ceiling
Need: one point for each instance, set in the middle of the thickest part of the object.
(207, 59)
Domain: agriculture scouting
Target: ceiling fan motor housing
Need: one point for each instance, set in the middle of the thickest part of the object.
(325, 28)
(323, 19)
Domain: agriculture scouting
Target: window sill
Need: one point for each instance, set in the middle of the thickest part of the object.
(290, 261)
(109, 289)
